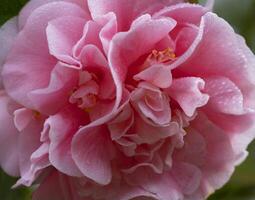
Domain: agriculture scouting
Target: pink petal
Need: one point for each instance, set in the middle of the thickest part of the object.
(29, 64)
(120, 125)
(91, 150)
(185, 38)
(22, 117)
(187, 92)
(62, 34)
(143, 35)
(158, 75)
(9, 137)
(8, 32)
(187, 176)
(108, 30)
(90, 37)
(159, 114)
(217, 160)
(150, 134)
(126, 11)
(225, 96)
(181, 13)
(39, 161)
(29, 142)
(216, 57)
(34, 4)
(50, 99)
(62, 128)
(163, 186)
(53, 187)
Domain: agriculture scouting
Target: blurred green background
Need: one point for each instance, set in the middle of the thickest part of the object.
(241, 15)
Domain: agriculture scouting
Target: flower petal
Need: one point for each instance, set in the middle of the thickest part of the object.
(126, 11)
(91, 150)
(8, 32)
(187, 92)
(29, 64)
(9, 137)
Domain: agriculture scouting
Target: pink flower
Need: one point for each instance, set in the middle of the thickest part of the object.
(123, 99)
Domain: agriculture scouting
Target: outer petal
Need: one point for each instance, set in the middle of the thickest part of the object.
(62, 34)
(209, 148)
(225, 96)
(34, 4)
(214, 56)
(92, 152)
(62, 127)
(29, 64)
(127, 11)
(53, 97)
(163, 186)
(29, 141)
(187, 92)
(9, 153)
(54, 187)
(8, 32)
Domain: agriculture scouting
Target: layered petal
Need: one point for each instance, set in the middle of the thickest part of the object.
(9, 138)
(62, 34)
(53, 97)
(29, 64)
(216, 57)
(127, 11)
(62, 128)
(92, 152)
(188, 94)
(8, 33)
(34, 4)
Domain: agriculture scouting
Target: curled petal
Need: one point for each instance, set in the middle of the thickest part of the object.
(91, 151)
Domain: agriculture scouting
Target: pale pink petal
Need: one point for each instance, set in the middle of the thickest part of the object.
(22, 117)
(62, 34)
(9, 137)
(158, 75)
(187, 92)
(231, 123)
(163, 186)
(29, 141)
(126, 11)
(143, 99)
(91, 151)
(216, 168)
(216, 57)
(52, 98)
(150, 134)
(120, 125)
(108, 30)
(145, 32)
(90, 37)
(34, 4)
(91, 56)
(29, 64)
(225, 96)
(187, 176)
(185, 38)
(181, 13)
(8, 32)
(63, 126)
(39, 161)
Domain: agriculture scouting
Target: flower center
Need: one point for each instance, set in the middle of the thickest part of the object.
(85, 96)
(164, 56)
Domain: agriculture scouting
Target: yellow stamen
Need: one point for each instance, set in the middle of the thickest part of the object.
(162, 56)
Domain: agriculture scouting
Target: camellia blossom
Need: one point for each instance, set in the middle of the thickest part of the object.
(123, 99)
